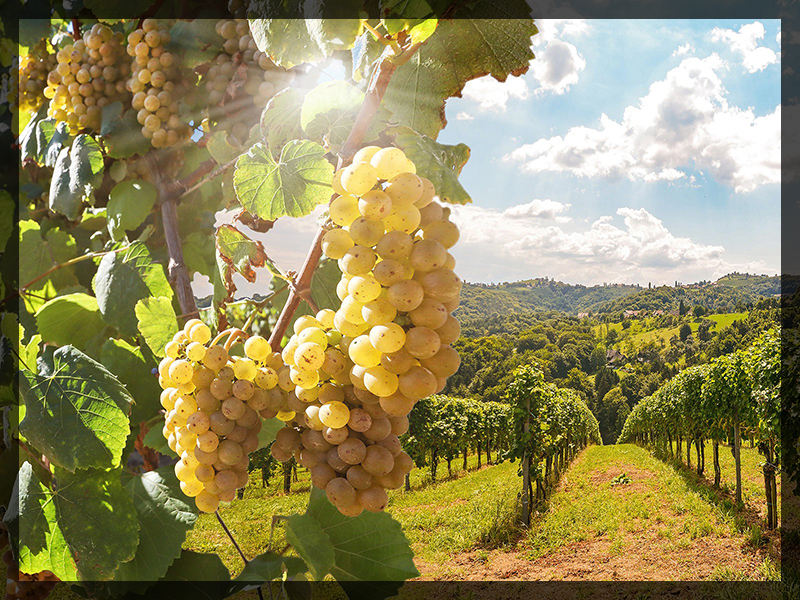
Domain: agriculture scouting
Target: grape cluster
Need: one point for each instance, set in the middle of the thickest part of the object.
(235, 109)
(361, 369)
(32, 81)
(20, 585)
(158, 84)
(212, 402)
(88, 75)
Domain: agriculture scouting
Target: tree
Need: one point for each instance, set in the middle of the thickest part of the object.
(612, 411)
(604, 380)
(698, 311)
(681, 308)
(684, 332)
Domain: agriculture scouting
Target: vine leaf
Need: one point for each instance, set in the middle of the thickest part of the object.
(129, 203)
(77, 171)
(70, 319)
(240, 252)
(82, 530)
(280, 120)
(498, 44)
(122, 135)
(76, 411)
(440, 163)
(51, 138)
(156, 321)
(302, 37)
(164, 515)
(123, 278)
(29, 140)
(38, 254)
(293, 186)
(134, 371)
(369, 547)
(270, 566)
(196, 40)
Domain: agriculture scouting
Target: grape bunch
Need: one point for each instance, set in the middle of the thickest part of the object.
(88, 75)
(236, 108)
(20, 585)
(212, 402)
(158, 84)
(361, 369)
(32, 81)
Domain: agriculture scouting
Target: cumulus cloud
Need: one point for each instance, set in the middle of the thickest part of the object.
(745, 42)
(519, 243)
(556, 67)
(684, 122)
(684, 49)
(462, 116)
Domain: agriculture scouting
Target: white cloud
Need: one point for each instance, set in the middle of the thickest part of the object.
(494, 247)
(543, 209)
(491, 94)
(745, 42)
(684, 49)
(684, 122)
(462, 116)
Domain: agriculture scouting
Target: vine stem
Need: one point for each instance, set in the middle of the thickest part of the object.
(377, 88)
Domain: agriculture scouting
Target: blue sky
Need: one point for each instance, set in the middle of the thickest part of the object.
(632, 151)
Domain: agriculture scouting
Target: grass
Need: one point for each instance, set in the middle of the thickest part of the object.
(450, 516)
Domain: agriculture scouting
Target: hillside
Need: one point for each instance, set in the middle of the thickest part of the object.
(731, 293)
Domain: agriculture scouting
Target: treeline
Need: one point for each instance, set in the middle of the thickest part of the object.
(733, 395)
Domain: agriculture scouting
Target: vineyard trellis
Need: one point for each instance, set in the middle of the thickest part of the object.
(736, 394)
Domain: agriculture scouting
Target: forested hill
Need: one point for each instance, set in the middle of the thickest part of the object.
(728, 294)
(482, 301)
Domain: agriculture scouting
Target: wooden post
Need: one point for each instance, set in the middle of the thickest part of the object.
(737, 447)
(526, 472)
(717, 470)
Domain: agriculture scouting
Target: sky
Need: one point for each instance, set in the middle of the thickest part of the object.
(631, 151)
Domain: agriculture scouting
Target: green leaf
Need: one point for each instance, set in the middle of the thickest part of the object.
(219, 148)
(240, 252)
(37, 255)
(440, 163)
(155, 439)
(268, 432)
(193, 567)
(76, 411)
(496, 44)
(123, 278)
(310, 541)
(122, 135)
(329, 111)
(52, 137)
(156, 321)
(29, 144)
(82, 530)
(134, 371)
(33, 31)
(165, 515)
(129, 203)
(7, 208)
(71, 319)
(297, 39)
(195, 40)
(366, 51)
(369, 547)
(78, 170)
(270, 566)
(198, 254)
(293, 187)
(280, 120)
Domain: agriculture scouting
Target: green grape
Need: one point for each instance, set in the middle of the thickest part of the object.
(428, 255)
(378, 311)
(340, 493)
(406, 295)
(334, 415)
(257, 348)
(181, 371)
(442, 285)
(364, 289)
(266, 378)
(200, 333)
(443, 231)
(403, 218)
(348, 328)
(315, 335)
(352, 451)
(396, 245)
(336, 242)
(375, 205)
(358, 260)
(417, 383)
(388, 272)
(351, 309)
(310, 356)
(304, 322)
(430, 313)
(215, 358)
(359, 178)
(244, 368)
(422, 342)
(387, 338)
(325, 317)
(363, 353)
(335, 362)
(404, 189)
(344, 210)
(430, 213)
(444, 363)
(195, 352)
(397, 405)
(206, 502)
(428, 194)
(365, 154)
(304, 379)
(389, 162)
(378, 461)
(373, 499)
(380, 382)
(365, 232)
